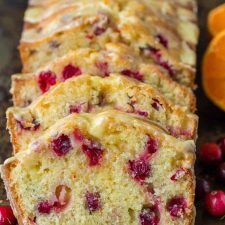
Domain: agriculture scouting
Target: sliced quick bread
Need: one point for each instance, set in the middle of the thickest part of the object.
(109, 168)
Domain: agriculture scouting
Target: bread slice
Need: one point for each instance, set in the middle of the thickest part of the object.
(85, 27)
(93, 93)
(180, 19)
(109, 168)
(115, 58)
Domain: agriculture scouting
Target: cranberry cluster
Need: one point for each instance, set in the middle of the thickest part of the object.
(47, 79)
(212, 157)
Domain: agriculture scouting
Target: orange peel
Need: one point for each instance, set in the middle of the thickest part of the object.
(216, 20)
(213, 71)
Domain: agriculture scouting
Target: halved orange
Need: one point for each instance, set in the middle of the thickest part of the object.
(216, 20)
(213, 70)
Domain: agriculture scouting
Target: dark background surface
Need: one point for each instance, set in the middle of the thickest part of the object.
(212, 120)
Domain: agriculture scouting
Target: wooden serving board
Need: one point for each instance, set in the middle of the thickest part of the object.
(212, 120)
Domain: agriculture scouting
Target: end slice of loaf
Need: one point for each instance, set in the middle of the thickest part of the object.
(115, 58)
(108, 168)
(93, 93)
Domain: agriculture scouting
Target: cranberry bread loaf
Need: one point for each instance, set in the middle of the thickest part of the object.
(132, 25)
(115, 58)
(93, 93)
(109, 168)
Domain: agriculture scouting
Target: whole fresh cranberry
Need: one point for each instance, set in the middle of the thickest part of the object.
(221, 172)
(210, 153)
(215, 203)
(222, 145)
(202, 187)
(6, 215)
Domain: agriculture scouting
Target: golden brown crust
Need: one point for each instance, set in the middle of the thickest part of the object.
(191, 216)
(12, 127)
(16, 86)
(11, 191)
